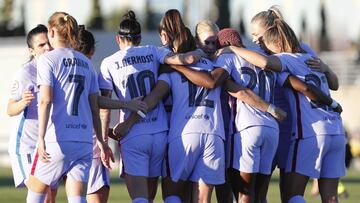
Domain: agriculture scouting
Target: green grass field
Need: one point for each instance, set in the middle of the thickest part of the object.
(118, 193)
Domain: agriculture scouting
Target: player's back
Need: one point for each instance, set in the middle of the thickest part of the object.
(73, 79)
(195, 109)
(317, 119)
(261, 82)
(130, 73)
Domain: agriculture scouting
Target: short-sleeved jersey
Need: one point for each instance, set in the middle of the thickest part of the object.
(72, 78)
(131, 73)
(24, 129)
(309, 118)
(260, 81)
(195, 109)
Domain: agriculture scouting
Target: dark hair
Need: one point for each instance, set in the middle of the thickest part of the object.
(129, 28)
(36, 30)
(172, 24)
(66, 26)
(282, 33)
(86, 41)
(185, 42)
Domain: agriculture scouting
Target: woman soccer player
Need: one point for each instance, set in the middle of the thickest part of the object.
(67, 109)
(130, 73)
(23, 106)
(318, 138)
(259, 24)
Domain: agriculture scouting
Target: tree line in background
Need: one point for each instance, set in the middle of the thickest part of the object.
(110, 22)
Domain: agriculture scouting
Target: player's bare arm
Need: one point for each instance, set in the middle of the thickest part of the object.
(312, 92)
(152, 99)
(208, 80)
(252, 99)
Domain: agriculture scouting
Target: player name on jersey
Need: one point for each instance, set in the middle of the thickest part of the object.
(69, 62)
(128, 61)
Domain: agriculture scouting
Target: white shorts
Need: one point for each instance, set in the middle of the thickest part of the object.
(21, 166)
(321, 156)
(142, 155)
(254, 149)
(72, 159)
(99, 176)
(282, 150)
(196, 157)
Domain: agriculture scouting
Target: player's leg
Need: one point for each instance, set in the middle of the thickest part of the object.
(268, 149)
(158, 150)
(223, 191)
(181, 157)
(51, 195)
(98, 186)
(36, 190)
(332, 166)
(250, 159)
(100, 196)
(201, 192)
(209, 168)
(301, 165)
(78, 170)
(152, 187)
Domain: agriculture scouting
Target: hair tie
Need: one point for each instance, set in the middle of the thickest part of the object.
(66, 18)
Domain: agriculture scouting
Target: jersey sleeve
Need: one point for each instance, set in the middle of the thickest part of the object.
(224, 61)
(161, 53)
(105, 80)
(166, 78)
(45, 74)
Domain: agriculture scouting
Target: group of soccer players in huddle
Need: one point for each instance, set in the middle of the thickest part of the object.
(200, 111)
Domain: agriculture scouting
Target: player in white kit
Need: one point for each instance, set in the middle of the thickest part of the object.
(68, 109)
(130, 73)
(259, 24)
(22, 106)
(318, 139)
(253, 145)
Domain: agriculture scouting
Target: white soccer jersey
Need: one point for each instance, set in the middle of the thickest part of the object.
(25, 125)
(195, 109)
(309, 118)
(72, 78)
(256, 79)
(131, 73)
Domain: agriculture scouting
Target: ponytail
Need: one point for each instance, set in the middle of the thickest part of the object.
(172, 24)
(66, 26)
(86, 41)
(282, 33)
(184, 41)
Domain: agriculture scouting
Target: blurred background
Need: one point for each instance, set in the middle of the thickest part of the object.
(331, 27)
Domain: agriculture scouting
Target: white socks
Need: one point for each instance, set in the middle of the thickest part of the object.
(34, 197)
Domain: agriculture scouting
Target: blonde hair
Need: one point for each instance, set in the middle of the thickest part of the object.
(66, 26)
(204, 27)
(282, 33)
(266, 18)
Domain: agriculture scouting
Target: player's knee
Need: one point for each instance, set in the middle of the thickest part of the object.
(297, 199)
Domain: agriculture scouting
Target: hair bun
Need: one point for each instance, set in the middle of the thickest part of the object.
(130, 15)
(81, 27)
